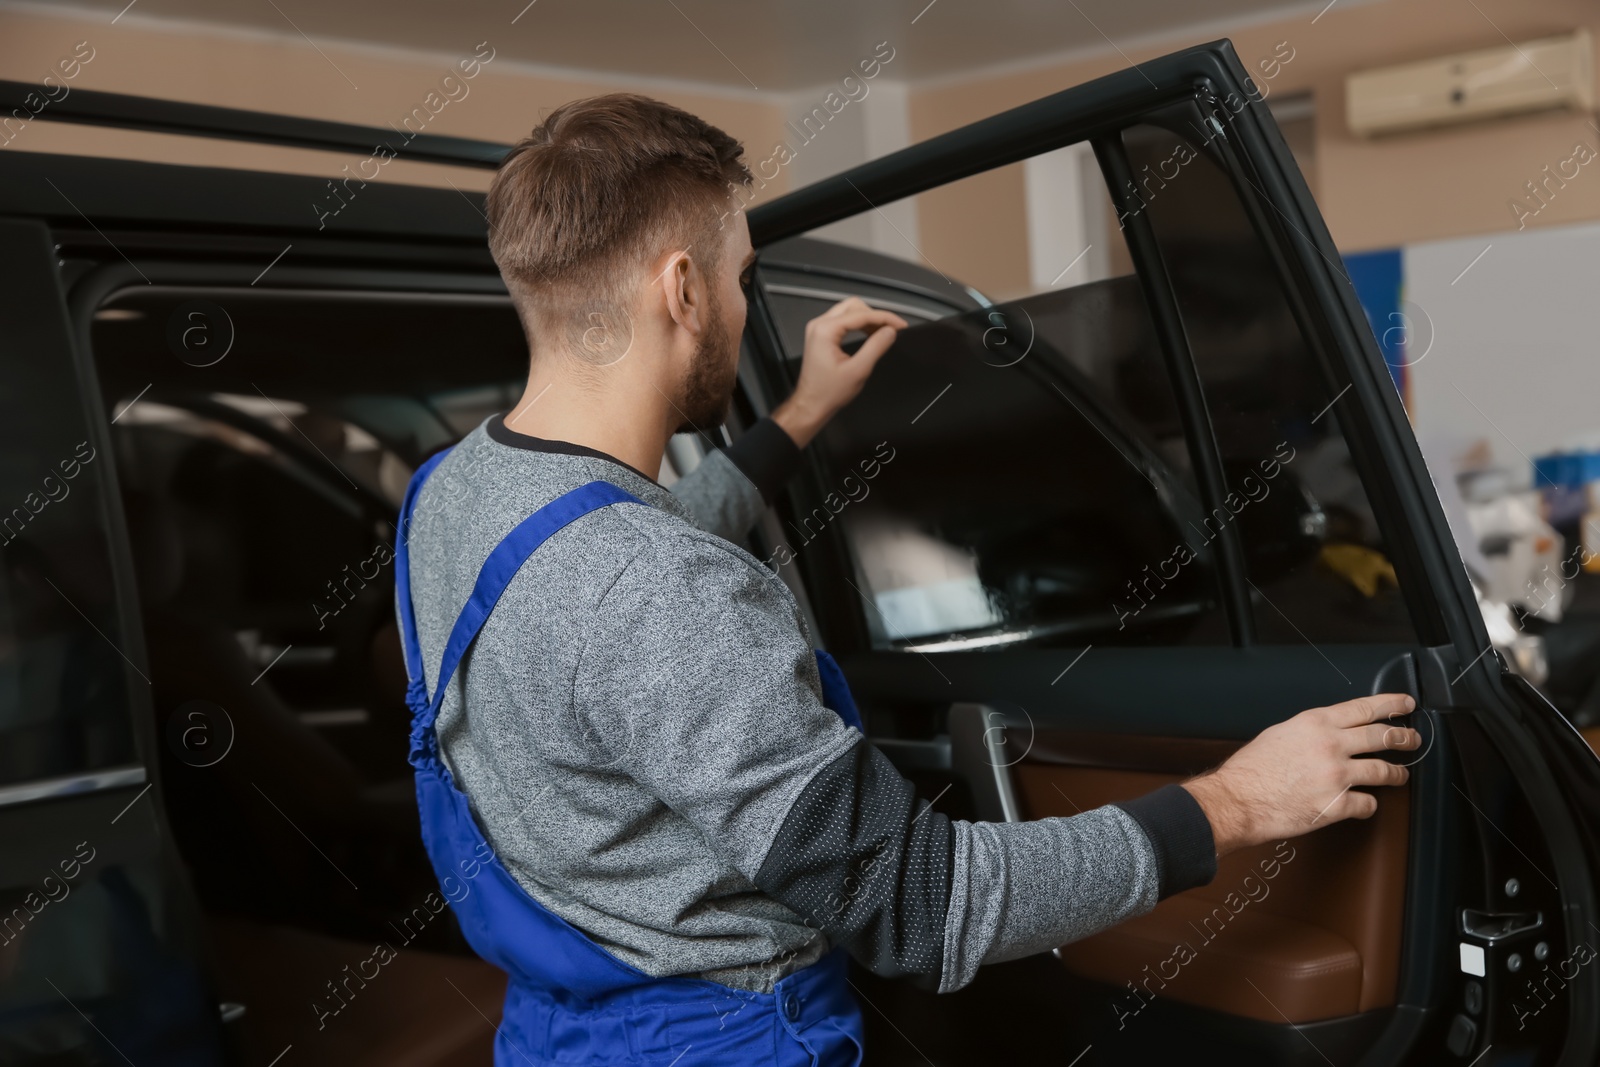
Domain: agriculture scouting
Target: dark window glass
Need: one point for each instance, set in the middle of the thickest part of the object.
(1016, 474)
(1316, 559)
(62, 669)
(235, 538)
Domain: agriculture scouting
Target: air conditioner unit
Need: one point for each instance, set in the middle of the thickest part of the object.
(1550, 73)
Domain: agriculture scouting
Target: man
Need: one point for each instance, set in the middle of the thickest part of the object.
(670, 823)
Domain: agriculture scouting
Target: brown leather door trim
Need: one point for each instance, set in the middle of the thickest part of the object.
(1314, 936)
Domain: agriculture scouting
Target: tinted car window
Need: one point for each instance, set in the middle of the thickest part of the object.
(62, 667)
(998, 482)
(1316, 559)
(231, 531)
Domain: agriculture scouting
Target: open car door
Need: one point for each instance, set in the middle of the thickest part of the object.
(1075, 544)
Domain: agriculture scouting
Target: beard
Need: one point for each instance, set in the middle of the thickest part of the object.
(708, 388)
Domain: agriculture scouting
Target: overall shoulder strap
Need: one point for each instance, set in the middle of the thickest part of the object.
(502, 566)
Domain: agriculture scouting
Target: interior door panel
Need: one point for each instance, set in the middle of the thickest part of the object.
(1292, 932)
(1299, 931)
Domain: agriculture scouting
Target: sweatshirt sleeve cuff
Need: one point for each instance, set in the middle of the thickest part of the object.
(767, 455)
(1180, 833)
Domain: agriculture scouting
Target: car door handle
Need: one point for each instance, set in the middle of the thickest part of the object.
(1399, 675)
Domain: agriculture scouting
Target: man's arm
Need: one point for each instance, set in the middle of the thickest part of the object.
(908, 890)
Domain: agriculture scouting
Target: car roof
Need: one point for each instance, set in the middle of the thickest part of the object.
(134, 192)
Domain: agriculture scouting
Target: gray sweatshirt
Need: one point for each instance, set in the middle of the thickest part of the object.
(639, 728)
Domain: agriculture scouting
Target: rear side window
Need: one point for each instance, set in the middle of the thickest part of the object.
(63, 661)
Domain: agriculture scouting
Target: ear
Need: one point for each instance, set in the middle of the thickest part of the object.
(684, 285)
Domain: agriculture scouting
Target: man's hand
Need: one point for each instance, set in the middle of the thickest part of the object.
(1299, 775)
(830, 377)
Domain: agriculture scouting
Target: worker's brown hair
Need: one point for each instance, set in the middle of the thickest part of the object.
(595, 193)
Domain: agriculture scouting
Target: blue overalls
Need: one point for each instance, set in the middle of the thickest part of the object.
(569, 1002)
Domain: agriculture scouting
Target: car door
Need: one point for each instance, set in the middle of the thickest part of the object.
(1073, 544)
(98, 957)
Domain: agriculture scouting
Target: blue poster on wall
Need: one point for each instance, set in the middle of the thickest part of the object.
(1379, 279)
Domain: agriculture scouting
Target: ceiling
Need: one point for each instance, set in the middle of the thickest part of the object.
(737, 44)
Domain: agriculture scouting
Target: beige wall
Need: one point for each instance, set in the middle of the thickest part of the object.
(1382, 193)
(281, 74)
